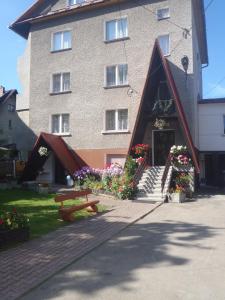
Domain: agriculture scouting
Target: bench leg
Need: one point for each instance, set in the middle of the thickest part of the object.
(66, 216)
(92, 208)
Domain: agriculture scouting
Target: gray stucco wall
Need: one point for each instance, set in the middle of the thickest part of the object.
(88, 58)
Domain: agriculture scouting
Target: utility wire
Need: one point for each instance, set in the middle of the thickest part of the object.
(215, 86)
(208, 6)
(167, 20)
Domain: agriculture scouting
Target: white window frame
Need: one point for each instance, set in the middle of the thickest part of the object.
(117, 84)
(60, 125)
(69, 4)
(162, 35)
(61, 32)
(116, 130)
(162, 18)
(61, 83)
(117, 38)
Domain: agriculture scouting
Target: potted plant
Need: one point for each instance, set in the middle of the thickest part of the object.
(177, 195)
(14, 227)
(181, 183)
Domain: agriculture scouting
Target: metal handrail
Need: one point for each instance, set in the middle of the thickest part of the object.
(166, 171)
(140, 169)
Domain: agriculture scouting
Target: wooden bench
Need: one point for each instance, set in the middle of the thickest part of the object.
(66, 213)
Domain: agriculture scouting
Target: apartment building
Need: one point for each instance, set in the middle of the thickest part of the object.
(99, 73)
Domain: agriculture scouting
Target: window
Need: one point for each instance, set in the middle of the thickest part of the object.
(116, 75)
(223, 124)
(60, 83)
(163, 13)
(164, 42)
(60, 124)
(61, 40)
(11, 107)
(116, 120)
(74, 2)
(116, 29)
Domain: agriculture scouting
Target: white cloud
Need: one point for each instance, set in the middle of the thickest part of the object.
(216, 91)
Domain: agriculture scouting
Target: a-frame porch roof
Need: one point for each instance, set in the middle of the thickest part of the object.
(58, 146)
(159, 61)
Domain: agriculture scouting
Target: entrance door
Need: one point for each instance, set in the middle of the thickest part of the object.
(60, 175)
(162, 142)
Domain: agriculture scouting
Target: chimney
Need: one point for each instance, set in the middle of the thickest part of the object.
(2, 90)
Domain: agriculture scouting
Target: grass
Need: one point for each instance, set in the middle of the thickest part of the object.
(41, 210)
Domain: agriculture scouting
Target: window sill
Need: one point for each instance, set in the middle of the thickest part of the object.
(116, 86)
(63, 134)
(115, 131)
(60, 93)
(61, 50)
(116, 40)
(163, 18)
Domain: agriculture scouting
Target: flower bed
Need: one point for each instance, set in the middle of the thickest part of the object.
(14, 227)
(113, 179)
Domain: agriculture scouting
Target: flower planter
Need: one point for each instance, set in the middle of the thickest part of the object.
(14, 236)
(43, 189)
(177, 197)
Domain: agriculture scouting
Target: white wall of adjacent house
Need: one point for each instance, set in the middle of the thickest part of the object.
(211, 127)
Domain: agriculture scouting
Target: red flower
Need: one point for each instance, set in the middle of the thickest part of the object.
(1, 222)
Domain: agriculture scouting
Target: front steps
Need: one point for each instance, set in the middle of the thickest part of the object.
(149, 186)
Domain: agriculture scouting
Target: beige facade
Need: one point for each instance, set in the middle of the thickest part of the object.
(88, 99)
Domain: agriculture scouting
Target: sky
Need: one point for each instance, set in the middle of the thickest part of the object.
(12, 46)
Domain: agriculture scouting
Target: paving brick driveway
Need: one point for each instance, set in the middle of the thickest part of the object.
(28, 265)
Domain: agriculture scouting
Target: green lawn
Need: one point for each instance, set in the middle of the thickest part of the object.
(41, 210)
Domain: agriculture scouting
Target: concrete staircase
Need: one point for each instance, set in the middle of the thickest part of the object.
(149, 186)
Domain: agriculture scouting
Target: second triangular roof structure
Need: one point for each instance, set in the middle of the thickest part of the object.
(159, 61)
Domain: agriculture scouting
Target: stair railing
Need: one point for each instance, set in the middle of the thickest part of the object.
(140, 169)
(166, 171)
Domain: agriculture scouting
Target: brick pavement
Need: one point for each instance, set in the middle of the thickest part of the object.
(30, 264)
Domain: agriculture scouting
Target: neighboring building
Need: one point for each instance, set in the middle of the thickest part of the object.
(8, 117)
(88, 77)
(212, 141)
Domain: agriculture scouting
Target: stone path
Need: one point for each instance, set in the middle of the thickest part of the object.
(28, 265)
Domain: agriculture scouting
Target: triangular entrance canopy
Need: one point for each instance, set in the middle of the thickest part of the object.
(55, 144)
(159, 65)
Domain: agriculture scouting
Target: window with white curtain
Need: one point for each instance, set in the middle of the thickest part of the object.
(163, 13)
(61, 40)
(164, 42)
(60, 82)
(116, 75)
(116, 29)
(60, 124)
(116, 120)
(74, 2)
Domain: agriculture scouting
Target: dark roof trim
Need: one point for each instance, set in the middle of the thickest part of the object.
(212, 101)
(7, 95)
(174, 91)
